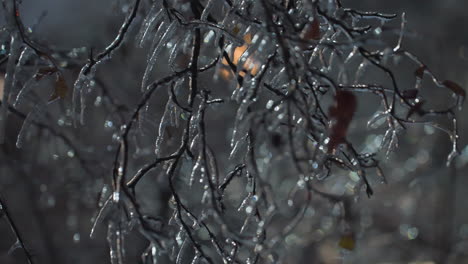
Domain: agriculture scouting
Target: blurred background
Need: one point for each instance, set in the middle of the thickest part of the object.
(419, 216)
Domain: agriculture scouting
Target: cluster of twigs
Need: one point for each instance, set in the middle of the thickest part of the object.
(282, 62)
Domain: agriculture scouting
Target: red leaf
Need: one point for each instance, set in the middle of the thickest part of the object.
(457, 89)
(341, 115)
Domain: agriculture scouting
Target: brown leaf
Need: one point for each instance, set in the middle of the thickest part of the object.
(457, 89)
(419, 73)
(42, 72)
(312, 31)
(410, 94)
(341, 115)
(347, 241)
(60, 89)
(236, 30)
(416, 108)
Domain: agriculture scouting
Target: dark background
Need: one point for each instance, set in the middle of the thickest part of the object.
(420, 216)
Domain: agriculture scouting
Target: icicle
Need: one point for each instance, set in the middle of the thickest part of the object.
(244, 203)
(275, 82)
(212, 165)
(14, 247)
(174, 116)
(81, 85)
(103, 196)
(142, 118)
(390, 141)
(330, 61)
(30, 118)
(237, 94)
(239, 134)
(115, 240)
(165, 119)
(173, 219)
(249, 99)
(103, 213)
(85, 91)
(205, 196)
(175, 50)
(15, 46)
(207, 10)
(197, 167)
(28, 86)
(154, 254)
(116, 196)
(24, 56)
(402, 32)
(155, 15)
(184, 252)
(454, 137)
(235, 149)
(194, 143)
(351, 55)
(246, 222)
(160, 40)
(376, 120)
(360, 71)
(196, 259)
(176, 111)
(386, 55)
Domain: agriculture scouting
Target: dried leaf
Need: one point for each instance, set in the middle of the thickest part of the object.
(341, 115)
(416, 108)
(60, 89)
(347, 241)
(42, 72)
(457, 89)
(419, 73)
(410, 94)
(236, 30)
(312, 31)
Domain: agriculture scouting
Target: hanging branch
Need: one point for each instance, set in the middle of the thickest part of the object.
(19, 240)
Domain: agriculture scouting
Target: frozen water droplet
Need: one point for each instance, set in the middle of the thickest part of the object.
(179, 238)
(61, 121)
(76, 237)
(108, 124)
(301, 184)
(255, 198)
(98, 101)
(70, 153)
(270, 103)
(116, 197)
(378, 31)
(314, 165)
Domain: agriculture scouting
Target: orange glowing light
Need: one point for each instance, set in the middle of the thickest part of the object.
(251, 66)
